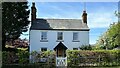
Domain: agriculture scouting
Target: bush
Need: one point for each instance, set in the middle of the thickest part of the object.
(86, 47)
(23, 56)
(75, 57)
(12, 57)
(36, 56)
(99, 57)
(8, 57)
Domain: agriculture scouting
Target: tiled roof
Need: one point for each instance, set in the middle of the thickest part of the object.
(42, 24)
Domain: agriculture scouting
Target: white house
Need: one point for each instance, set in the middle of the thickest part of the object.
(46, 34)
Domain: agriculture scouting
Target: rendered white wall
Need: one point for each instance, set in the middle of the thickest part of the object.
(35, 37)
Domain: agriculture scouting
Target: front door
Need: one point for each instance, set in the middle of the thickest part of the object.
(61, 59)
(61, 52)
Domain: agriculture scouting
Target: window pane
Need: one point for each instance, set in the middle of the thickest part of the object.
(75, 48)
(43, 49)
(59, 36)
(75, 36)
(44, 36)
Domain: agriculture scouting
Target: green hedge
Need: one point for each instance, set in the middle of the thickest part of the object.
(75, 57)
(96, 57)
(21, 57)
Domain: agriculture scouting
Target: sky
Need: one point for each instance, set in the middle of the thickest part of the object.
(100, 14)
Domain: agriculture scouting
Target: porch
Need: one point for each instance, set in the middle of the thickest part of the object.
(61, 58)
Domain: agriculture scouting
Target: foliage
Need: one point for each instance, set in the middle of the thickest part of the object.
(114, 35)
(86, 47)
(8, 57)
(74, 57)
(111, 38)
(23, 57)
(12, 57)
(48, 53)
(35, 56)
(14, 20)
(99, 57)
(48, 66)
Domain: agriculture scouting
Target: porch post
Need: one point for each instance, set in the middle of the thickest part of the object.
(57, 52)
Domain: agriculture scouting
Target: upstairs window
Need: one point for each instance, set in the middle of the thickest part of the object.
(75, 36)
(43, 36)
(60, 36)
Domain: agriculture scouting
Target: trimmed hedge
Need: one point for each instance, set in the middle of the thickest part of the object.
(95, 57)
(75, 57)
(21, 57)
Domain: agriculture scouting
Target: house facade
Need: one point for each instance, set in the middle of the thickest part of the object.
(46, 34)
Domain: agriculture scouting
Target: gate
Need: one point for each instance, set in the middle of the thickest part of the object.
(61, 61)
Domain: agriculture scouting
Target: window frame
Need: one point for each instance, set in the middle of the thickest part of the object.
(44, 37)
(75, 37)
(58, 36)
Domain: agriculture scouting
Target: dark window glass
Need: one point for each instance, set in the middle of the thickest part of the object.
(75, 48)
(43, 49)
(59, 36)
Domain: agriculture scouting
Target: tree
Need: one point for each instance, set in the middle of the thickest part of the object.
(111, 36)
(14, 20)
(114, 35)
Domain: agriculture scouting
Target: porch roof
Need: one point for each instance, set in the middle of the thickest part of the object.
(61, 45)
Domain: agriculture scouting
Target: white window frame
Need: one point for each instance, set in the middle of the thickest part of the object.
(58, 36)
(75, 36)
(43, 36)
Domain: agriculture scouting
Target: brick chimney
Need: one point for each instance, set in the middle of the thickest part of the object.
(33, 12)
(84, 17)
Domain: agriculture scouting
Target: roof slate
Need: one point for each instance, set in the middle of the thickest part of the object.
(47, 24)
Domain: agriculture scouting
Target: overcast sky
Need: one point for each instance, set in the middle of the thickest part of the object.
(100, 14)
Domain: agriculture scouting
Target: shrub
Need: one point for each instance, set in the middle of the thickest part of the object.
(100, 57)
(8, 57)
(12, 57)
(86, 47)
(23, 56)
